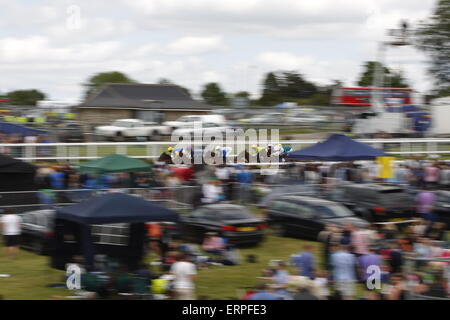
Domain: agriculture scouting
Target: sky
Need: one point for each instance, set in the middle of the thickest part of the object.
(56, 45)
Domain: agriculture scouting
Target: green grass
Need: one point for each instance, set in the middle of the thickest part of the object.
(31, 274)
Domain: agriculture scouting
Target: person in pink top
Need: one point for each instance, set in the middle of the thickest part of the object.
(360, 242)
(431, 175)
(213, 244)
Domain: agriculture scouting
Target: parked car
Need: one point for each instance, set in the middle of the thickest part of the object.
(70, 132)
(207, 128)
(188, 121)
(378, 202)
(305, 217)
(231, 221)
(132, 128)
(272, 117)
(305, 118)
(37, 230)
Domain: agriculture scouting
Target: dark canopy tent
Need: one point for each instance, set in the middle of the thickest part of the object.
(10, 128)
(16, 175)
(114, 163)
(76, 220)
(337, 148)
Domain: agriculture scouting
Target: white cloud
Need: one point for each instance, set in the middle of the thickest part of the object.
(196, 45)
(198, 41)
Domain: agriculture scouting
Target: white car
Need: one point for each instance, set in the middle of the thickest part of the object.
(307, 118)
(188, 121)
(266, 118)
(207, 128)
(132, 128)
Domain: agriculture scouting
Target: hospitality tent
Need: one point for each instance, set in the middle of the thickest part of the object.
(114, 163)
(17, 175)
(337, 147)
(75, 223)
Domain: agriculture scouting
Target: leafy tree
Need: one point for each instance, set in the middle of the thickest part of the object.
(213, 95)
(433, 37)
(99, 79)
(271, 94)
(25, 97)
(294, 86)
(242, 94)
(390, 79)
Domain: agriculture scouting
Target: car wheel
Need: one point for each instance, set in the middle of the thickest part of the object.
(154, 136)
(119, 137)
(38, 247)
(278, 230)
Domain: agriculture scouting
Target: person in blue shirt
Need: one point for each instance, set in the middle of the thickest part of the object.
(244, 178)
(305, 262)
(57, 180)
(344, 265)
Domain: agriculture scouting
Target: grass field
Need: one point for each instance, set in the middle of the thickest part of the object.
(30, 274)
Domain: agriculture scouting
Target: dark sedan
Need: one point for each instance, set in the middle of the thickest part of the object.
(304, 217)
(232, 222)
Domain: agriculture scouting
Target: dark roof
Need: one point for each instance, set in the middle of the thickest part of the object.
(142, 96)
(337, 148)
(11, 165)
(116, 208)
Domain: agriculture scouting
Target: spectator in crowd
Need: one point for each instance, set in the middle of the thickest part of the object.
(367, 264)
(431, 175)
(396, 289)
(184, 282)
(304, 262)
(213, 244)
(426, 200)
(212, 191)
(395, 258)
(11, 227)
(359, 241)
(344, 265)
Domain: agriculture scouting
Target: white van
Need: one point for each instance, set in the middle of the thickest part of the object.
(188, 121)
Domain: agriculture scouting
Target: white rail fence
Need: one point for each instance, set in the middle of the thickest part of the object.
(77, 152)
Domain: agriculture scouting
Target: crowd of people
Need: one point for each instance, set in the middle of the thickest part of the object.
(354, 263)
(384, 261)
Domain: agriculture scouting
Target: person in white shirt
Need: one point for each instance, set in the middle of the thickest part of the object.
(185, 274)
(211, 191)
(11, 227)
(30, 139)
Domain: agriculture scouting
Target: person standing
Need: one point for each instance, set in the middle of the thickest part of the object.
(305, 262)
(426, 200)
(11, 231)
(185, 274)
(344, 265)
(367, 262)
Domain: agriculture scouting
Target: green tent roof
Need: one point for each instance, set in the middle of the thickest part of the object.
(114, 163)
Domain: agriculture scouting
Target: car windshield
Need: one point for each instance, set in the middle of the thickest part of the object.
(235, 214)
(122, 123)
(333, 211)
